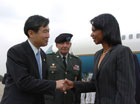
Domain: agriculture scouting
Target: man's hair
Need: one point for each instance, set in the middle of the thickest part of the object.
(109, 26)
(34, 23)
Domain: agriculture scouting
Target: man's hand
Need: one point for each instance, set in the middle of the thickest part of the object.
(60, 85)
(68, 84)
(64, 85)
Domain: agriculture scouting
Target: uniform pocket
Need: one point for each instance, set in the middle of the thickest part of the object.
(52, 73)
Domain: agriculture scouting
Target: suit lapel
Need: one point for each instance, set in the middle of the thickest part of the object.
(105, 59)
(43, 57)
(31, 57)
(96, 63)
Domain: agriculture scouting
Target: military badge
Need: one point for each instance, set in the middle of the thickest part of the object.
(53, 66)
(76, 67)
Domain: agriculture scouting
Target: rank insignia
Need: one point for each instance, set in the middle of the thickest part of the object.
(76, 67)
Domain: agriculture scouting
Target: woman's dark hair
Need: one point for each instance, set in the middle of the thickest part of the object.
(109, 26)
(34, 23)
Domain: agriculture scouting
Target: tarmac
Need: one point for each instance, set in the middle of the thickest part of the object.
(1, 90)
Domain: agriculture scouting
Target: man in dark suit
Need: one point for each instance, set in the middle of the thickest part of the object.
(26, 63)
(59, 67)
(137, 70)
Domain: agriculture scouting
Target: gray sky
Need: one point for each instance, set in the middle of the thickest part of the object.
(65, 16)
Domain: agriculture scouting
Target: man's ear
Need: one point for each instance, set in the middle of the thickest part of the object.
(56, 45)
(70, 43)
(30, 33)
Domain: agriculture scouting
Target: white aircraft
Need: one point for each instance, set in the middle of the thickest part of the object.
(85, 48)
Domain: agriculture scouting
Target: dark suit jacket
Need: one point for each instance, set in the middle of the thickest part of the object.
(22, 83)
(137, 69)
(56, 71)
(114, 81)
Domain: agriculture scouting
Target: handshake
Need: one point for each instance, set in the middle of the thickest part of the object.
(64, 85)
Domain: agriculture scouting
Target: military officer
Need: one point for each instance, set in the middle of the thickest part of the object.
(63, 65)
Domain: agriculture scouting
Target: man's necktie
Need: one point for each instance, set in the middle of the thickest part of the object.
(39, 63)
(64, 61)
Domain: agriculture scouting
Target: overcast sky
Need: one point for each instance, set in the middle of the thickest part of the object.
(65, 16)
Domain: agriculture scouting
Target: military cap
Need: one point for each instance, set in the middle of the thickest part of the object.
(64, 37)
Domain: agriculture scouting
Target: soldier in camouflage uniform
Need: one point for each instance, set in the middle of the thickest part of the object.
(63, 68)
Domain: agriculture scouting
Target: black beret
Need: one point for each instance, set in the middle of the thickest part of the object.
(64, 37)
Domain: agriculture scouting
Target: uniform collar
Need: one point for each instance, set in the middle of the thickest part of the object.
(63, 56)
